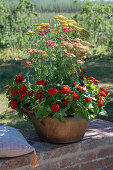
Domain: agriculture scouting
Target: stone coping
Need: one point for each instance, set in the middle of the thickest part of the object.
(96, 145)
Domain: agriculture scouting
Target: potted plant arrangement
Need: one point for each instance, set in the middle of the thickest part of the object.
(58, 96)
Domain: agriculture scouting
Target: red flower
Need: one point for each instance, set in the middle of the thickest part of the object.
(7, 86)
(66, 101)
(91, 81)
(42, 32)
(67, 29)
(21, 97)
(23, 90)
(41, 82)
(52, 91)
(13, 104)
(103, 92)
(19, 79)
(14, 91)
(25, 110)
(79, 88)
(65, 90)
(54, 107)
(83, 71)
(92, 78)
(82, 76)
(30, 93)
(88, 99)
(39, 96)
(76, 96)
(96, 81)
(101, 101)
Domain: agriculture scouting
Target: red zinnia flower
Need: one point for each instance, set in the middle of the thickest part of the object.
(101, 101)
(79, 88)
(19, 79)
(88, 99)
(52, 91)
(65, 90)
(83, 71)
(103, 92)
(41, 82)
(92, 78)
(39, 96)
(25, 110)
(21, 97)
(96, 81)
(76, 96)
(30, 93)
(23, 90)
(91, 81)
(54, 107)
(14, 91)
(66, 101)
(82, 76)
(13, 104)
(7, 86)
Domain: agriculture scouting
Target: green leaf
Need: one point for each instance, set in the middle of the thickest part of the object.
(77, 117)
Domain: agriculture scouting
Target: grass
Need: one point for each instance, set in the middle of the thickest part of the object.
(101, 69)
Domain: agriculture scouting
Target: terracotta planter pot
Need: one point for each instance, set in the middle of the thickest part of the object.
(52, 130)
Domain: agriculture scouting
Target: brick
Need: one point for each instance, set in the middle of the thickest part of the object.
(105, 152)
(61, 150)
(11, 163)
(73, 160)
(104, 163)
(95, 143)
(49, 166)
(72, 168)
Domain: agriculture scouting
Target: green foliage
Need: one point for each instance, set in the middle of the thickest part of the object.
(97, 18)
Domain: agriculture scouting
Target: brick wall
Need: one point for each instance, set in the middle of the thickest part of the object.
(94, 152)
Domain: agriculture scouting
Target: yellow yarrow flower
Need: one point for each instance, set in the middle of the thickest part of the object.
(73, 22)
(60, 17)
(44, 24)
(27, 33)
(38, 28)
(35, 24)
(30, 32)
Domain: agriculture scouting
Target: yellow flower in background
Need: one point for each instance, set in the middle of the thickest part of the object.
(62, 22)
(30, 32)
(38, 28)
(35, 24)
(44, 24)
(71, 25)
(27, 33)
(72, 22)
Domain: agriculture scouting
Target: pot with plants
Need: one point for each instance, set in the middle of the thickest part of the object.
(57, 94)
